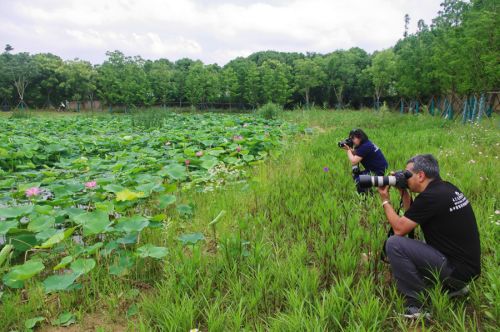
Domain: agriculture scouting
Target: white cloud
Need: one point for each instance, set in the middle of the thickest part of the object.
(214, 31)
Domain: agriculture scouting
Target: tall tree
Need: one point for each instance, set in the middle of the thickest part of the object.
(383, 72)
(46, 84)
(308, 74)
(78, 80)
(275, 83)
(161, 77)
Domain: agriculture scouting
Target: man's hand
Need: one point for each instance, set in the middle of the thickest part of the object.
(384, 193)
(346, 147)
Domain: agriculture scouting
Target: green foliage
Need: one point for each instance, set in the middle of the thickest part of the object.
(275, 78)
(455, 55)
(71, 187)
(308, 74)
(296, 249)
(270, 111)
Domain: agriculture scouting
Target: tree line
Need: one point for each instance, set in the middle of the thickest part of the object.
(457, 54)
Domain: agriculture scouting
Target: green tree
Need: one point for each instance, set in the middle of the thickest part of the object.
(161, 78)
(383, 73)
(47, 83)
(275, 82)
(309, 73)
(123, 80)
(20, 71)
(344, 73)
(78, 80)
(230, 85)
(181, 69)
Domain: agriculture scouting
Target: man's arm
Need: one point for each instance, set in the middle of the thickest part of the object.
(400, 225)
(405, 195)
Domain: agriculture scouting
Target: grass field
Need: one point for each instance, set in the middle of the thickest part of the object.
(296, 249)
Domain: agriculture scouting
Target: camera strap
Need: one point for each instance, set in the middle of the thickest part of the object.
(411, 234)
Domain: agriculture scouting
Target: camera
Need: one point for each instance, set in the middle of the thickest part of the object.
(398, 180)
(355, 169)
(347, 141)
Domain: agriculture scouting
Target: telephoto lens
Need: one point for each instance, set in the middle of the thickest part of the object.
(399, 180)
(367, 181)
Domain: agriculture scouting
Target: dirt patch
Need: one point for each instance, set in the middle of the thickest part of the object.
(90, 322)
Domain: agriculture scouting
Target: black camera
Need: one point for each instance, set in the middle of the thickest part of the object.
(347, 141)
(398, 180)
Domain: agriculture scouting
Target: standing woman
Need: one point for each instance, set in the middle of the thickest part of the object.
(366, 153)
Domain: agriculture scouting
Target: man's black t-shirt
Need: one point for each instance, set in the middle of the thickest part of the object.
(449, 225)
(373, 158)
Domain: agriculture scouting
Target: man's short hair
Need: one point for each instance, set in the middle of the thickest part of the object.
(425, 163)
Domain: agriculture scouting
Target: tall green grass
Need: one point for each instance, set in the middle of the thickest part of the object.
(298, 249)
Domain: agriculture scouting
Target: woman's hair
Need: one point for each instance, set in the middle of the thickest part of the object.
(359, 134)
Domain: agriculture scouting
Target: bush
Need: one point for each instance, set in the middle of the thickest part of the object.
(20, 114)
(270, 111)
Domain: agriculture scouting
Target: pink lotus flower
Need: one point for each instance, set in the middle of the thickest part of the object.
(199, 153)
(33, 191)
(237, 137)
(238, 148)
(90, 184)
(187, 162)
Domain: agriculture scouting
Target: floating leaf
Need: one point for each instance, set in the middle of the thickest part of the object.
(132, 310)
(149, 250)
(65, 319)
(107, 207)
(128, 195)
(59, 282)
(132, 224)
(32, 322)
(6, 226)
(174, 171)
(185, 210)
(210, 163)
(19, 273)
(82, 265)
(192, 238)
(113, 188)
(90, 250)
(93, 222)
(56, 238)
(21, 239)
(122, 266)
(17, 211)
(40, 223)
(65, 261)
(166, 200)
(148, 188)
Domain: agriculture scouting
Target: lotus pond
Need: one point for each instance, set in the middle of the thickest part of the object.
(71, 188)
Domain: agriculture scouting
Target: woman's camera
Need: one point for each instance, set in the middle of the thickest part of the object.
(347, 142)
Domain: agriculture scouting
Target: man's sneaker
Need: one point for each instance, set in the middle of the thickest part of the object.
(460, 292)
(413, 312)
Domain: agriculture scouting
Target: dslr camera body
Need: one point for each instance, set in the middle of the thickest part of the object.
(347, 142)
(398, 180)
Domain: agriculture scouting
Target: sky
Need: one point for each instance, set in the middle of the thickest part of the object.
(215, 31)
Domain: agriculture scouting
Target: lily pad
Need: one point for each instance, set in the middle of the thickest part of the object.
(191, 238)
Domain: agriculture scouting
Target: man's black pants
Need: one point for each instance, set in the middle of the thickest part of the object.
(413, 263)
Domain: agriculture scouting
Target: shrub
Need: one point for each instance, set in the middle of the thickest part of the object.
(270, 111)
